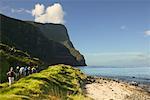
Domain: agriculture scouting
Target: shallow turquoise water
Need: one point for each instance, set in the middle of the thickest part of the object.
(138, 74)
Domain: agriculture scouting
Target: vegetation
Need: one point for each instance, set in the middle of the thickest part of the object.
(48, 42)
(9, 56)
(59, 82)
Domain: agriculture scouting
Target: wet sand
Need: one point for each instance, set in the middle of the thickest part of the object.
(108, 89)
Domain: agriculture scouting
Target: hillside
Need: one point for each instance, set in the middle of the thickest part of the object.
(58, 82)
(48, 42)
(10, 56)
(58, 33)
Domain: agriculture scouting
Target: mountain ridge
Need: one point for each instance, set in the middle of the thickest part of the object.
(48, 42)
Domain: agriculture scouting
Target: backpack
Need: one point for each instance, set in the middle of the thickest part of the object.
(21, 70)
(33, 70)
(10, 74)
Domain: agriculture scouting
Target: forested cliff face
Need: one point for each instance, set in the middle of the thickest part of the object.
(48, 42)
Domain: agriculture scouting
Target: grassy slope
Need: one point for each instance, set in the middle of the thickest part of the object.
(54, 83)
(9, 56)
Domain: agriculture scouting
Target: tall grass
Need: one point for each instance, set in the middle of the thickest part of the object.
(55, 83)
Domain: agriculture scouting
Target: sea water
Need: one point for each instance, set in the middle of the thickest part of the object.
(137, 74)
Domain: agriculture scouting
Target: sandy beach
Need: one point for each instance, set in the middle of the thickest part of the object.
(108, 89)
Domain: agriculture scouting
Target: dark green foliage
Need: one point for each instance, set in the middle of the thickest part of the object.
(4, 66)
(48, 42)
(9, 56)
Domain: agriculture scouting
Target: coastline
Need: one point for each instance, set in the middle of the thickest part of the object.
(130, 80)
(60, 82)
(102, 88)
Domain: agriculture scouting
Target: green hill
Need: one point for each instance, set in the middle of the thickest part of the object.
(48, 42)
(59, 82)
(10, 56)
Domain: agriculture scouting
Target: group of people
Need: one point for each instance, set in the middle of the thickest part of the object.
(19, 72)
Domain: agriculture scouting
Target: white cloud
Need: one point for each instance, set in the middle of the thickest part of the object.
(28, 11)
(147, 32)
(20, 10)
(38, 10)
(52, 14)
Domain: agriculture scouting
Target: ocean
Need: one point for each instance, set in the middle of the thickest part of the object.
(141, 75)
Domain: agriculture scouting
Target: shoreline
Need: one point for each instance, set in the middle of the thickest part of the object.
(144, 85)
(102, 88)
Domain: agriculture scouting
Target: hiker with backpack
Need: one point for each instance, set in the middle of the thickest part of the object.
(34, 70)
(22, 72)
(11, 74)
(29, 70)
(17, 72)
(26, 71)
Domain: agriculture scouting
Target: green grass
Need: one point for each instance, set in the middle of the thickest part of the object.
(13, 55)
(10, 57)
(59, 82)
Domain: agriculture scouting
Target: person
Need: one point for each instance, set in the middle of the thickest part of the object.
(29, 70)
(33, 70)
(22, 72)
(26, 71)
(17, 72)
(11, 74)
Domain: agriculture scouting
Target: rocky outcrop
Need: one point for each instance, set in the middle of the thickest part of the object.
(48, 42)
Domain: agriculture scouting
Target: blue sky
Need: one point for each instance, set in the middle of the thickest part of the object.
(107, 32)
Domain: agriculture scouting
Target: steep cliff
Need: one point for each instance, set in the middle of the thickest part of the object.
(58, 33)
(49, 42)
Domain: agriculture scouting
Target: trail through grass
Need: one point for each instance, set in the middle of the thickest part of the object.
(59, 82)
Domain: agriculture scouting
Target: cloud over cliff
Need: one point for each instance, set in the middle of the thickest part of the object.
(147, 32)
(51, 14)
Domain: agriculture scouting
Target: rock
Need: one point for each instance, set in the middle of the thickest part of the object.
(48, 42)
(133, 83)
